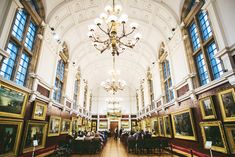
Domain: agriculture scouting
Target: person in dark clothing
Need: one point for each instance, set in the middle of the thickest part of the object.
(116, 133)
(120, 132)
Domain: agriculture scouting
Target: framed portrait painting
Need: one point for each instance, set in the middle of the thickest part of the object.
(207, 108)
(65, 126)
(212, 131)
(10, 132)
(161, 126)
(54, 126)
(183, 125)
(34, 131)
(125, 124)
(227, 104)
(167, 126)
(230, 132)
(12, 101)
(39, 110)
(155, 127)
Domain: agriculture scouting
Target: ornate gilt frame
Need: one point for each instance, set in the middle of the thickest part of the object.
(226, 119)
(30, 122)
(189, 110)
(228, 129)
(204, 117)
(159, 124)
(214, 123)
(70, 125)
(44, 105)
(54, 134)
(14, 115)
(169, 121)
(19, 123)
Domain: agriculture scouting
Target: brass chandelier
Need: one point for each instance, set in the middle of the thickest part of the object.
(110, 31)
(113, 85)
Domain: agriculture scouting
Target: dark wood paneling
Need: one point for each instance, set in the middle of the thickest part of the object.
(45, 92)
(182, 90)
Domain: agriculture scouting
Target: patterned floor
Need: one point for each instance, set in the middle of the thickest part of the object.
(116, 149)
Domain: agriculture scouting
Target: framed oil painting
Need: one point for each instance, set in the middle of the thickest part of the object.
(10, 132)
(54, 126)
(84, 122)
(167, 126)
(227, 105)
(183, 125)
(155, 127)
(12, 101)
(125, 124)
(133, 123)
(103, 125)
(93, 123)
(39, 110)
(74, 125)
(207, 108)
(79, 121)
(212, 131)
(161, 127)
(230, 132)
(34, 131)
(65, 126)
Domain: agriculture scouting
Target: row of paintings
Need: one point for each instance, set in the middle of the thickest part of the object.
(181, 125)
(227, 106)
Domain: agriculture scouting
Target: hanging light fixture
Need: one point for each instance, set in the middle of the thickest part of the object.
(113, 85)
(110, 31)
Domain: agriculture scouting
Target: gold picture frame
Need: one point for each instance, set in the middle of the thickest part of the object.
(161, 127)
(207, 108)
(155, 126)
(54, 126)
(35, 130)
(167, 126)
(65, 126)
(230, 132)
(213, 131)
(9, 132)
(227, 104)
(183, 124)
(39, 110)
(12, 101)
(125, 124)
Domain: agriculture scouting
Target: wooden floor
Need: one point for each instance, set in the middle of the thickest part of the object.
(116, 149)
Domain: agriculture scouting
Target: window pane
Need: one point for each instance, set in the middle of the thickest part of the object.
(30, 36)
(194, 36)
(8, 63)
(201, 67)
(205, 25)
(19, 25)
(214, 63)
(22, 71)
(60, 69)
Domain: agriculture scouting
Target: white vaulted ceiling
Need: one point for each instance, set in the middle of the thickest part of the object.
(70, 19)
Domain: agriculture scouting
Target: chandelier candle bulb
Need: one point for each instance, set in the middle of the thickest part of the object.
(108, 8)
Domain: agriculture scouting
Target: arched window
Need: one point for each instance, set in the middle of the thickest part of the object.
(150, 86)
(85, 95)
(165, 74)
(76, 91)
(21, 44)
(137, 101)
(61, 75)
(90, 104)
(142, 94)
(202, 43)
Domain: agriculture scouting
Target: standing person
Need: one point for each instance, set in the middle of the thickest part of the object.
(120, 132)
(116, 133)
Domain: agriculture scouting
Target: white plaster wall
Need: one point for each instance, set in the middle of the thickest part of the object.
(156, 81)
(48, 59)
(226, 10)
(177, 59)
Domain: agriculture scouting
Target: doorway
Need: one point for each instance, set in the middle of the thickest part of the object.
(113, 126)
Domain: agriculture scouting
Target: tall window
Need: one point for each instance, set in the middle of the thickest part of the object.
(137, 102)
(167, 81)
(150, 86)
(204, 48)
(142, 95)
(90, 105)
(85, 95)
(59, 80)
(76, 92)
(20, 47)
